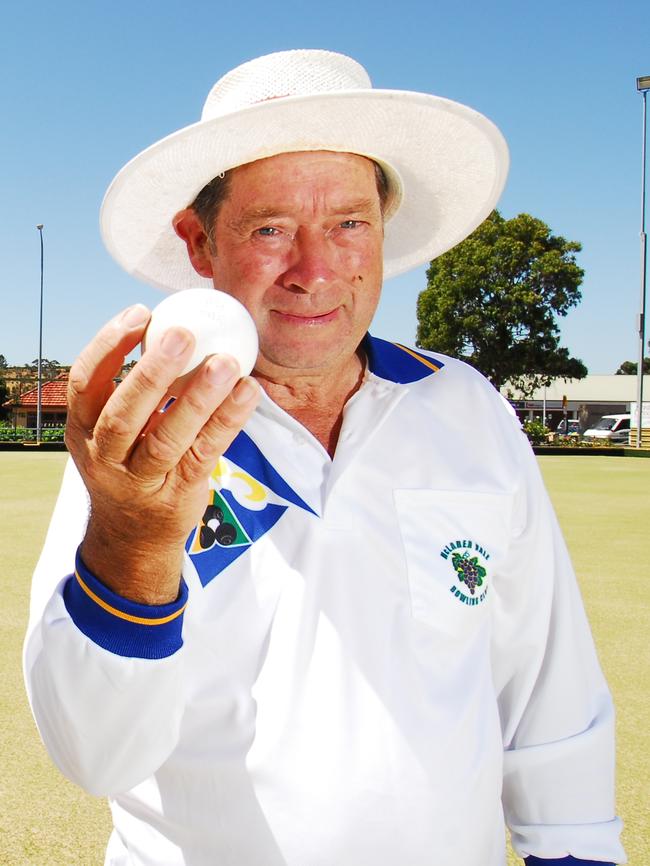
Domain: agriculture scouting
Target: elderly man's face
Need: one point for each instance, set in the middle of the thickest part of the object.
(299, 242)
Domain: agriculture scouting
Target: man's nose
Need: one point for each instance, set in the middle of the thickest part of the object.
(311, 264)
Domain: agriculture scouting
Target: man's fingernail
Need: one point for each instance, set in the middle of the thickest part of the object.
(245, 390)
(174, 342)
(221, 368)
(135, 316)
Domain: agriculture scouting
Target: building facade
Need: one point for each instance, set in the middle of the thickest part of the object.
(54, 407)
(585, 400)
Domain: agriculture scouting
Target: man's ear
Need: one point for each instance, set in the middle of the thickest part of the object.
(189, 228)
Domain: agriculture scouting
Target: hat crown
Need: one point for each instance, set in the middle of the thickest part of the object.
(302, 72)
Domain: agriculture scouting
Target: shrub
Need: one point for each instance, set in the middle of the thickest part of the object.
(536, 431)
(9, 433)
(53, 434)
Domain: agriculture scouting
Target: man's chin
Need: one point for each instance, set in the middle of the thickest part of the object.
(303, 359)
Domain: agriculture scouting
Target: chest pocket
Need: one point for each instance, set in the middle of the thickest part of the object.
(454, 542)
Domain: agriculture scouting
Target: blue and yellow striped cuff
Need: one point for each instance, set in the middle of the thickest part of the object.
(119, 625)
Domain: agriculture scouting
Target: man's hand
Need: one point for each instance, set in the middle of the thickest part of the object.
(146, 471)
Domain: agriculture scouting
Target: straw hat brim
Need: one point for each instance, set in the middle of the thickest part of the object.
(450, 162)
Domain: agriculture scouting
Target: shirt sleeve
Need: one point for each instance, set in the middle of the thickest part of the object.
(556, 711)
(95, 664)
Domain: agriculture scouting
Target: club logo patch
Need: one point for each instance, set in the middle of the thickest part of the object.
(246, 498)
(468, 561)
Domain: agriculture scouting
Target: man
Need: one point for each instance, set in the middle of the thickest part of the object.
(390, 638)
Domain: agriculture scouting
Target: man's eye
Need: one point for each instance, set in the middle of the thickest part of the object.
(267, 231)
(350, 224)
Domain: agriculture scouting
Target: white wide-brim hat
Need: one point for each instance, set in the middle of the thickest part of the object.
(446, 164)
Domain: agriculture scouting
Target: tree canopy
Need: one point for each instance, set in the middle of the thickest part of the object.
(49, 369)
(629, 368)
(493, 301)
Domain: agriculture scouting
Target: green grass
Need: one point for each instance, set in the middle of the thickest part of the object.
(44, 819)
(603, 504)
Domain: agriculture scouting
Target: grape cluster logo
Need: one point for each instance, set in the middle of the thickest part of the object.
(468, 560)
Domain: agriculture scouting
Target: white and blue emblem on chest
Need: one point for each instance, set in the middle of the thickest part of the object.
(246, 498)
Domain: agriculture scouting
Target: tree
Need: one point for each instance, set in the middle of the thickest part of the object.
(49, 369)
(493, 301)
(629, 368)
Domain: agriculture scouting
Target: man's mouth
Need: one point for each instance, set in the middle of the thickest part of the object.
(309, 318)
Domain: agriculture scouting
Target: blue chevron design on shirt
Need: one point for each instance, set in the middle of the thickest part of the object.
(247, 498)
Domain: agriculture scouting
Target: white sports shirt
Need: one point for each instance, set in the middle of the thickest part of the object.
(377, 651)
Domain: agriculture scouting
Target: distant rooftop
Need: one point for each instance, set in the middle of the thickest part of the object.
(591, 389)
(53, 394)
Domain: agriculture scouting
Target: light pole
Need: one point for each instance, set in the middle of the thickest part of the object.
(642, 85)
(39, 392)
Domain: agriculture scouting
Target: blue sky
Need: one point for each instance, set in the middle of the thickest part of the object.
(86, 85)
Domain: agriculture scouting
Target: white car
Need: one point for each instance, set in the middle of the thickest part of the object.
(611, 428)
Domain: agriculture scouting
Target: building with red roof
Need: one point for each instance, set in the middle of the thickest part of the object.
(54, 406)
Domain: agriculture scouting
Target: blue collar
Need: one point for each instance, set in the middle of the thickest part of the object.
(397, 363)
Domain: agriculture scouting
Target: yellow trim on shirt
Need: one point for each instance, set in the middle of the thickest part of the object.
(426, 361)
(140, 620)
